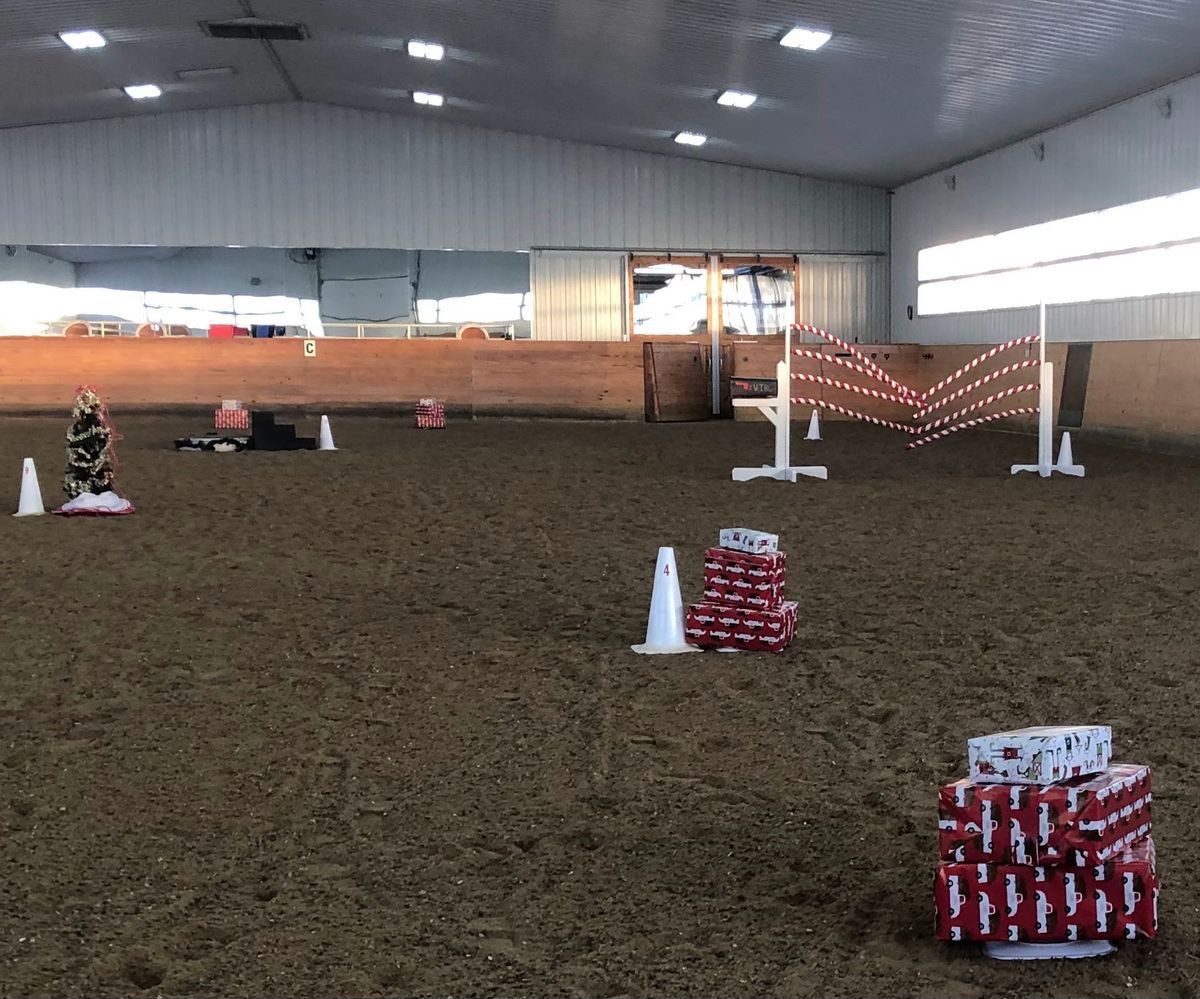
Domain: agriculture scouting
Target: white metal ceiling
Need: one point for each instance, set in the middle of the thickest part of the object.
(905, 87)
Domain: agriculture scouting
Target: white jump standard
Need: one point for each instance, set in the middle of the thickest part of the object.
(1046, 465)
(778, 410)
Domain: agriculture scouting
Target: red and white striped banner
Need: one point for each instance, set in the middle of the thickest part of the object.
(966, 425)
(873, 369)
(1018, 342)
(816, 355)
(803, 401)
(846, 386)
(978, 383)
(995, 397)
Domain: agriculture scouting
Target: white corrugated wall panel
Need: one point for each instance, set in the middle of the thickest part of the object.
(1125, 153)
(845, 295)
(578, 295)
(314, 175)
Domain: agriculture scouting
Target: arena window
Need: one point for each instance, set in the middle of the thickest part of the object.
(1132, 251)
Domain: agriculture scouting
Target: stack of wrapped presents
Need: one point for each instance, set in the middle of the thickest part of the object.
(743, 606)
(1047, 842)
(231, 416)
(431, 415)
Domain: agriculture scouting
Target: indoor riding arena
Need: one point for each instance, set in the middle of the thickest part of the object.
(516, 500)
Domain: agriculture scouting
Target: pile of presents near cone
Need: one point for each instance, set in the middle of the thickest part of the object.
(742, 608)
(236, 428)
(1047, 842)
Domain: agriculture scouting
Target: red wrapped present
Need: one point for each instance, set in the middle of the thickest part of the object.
(431, 415)
(713, 625)
(1116, 900)
(1081, 821)
(231, 419)
(744, 579)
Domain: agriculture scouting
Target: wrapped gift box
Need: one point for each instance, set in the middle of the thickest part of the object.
(1077, 822)
(742, 539)
(743, 579)
(431, 415)
(713, 625)
(1116, 900)
(231, 419)
(1039, 755)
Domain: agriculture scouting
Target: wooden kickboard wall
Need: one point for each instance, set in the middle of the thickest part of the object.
(522, 378)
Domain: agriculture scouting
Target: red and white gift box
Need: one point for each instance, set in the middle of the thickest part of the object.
(714, 625)
(1116, 900)
(1078, 822)
(431, 415)
(742, 539)
(231, 419)
(1041, 755)
(744, 580)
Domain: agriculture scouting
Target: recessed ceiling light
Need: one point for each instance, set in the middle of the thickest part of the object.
(433, 100)
(809, 39)
(205, 73)
(143, 91)
(83, 39)
(736, 99)
(425, 50)
(690, 138)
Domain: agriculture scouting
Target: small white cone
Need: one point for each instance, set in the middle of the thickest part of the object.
(814, 428)
(326, 436)
(1066, 460)
(1064, 451)
(664, 630)
(30, 504)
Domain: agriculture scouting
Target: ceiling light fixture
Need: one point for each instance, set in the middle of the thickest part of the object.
(735, 99)
(809, 39)
(82, 39)
(426, 50)
(205, 73)
(690, 138)
(143, 91)
(433, 100)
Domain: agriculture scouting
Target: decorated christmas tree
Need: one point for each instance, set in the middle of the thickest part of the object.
(90, 458)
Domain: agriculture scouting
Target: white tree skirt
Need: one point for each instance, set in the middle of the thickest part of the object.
(96, 505)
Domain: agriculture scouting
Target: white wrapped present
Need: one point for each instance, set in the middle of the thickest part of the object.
(1043, 755)
(742, 539)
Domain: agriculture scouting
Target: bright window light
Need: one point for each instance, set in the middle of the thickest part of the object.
(1145, 248)
(1139, 274)
(736, 99)
(486, 307)
(425, 50)
(433, 100)
(83, 39)
(143, 91)
(809, 39)
(1171, 219)
(690, 138)
(29, 308)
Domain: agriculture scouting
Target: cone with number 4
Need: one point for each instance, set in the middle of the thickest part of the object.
(664, 630)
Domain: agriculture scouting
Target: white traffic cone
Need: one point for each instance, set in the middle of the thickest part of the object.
(30, 504)
(1065, 457)
(326, 443)
(664, 630)
(814, 428)
(1066, 460)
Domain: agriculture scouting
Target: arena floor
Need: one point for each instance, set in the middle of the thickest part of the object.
(367, 723)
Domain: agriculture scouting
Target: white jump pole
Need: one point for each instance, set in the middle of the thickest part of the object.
(779, 411)
(1046, 464)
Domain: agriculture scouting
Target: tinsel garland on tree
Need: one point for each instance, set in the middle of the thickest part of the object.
(90, 458)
